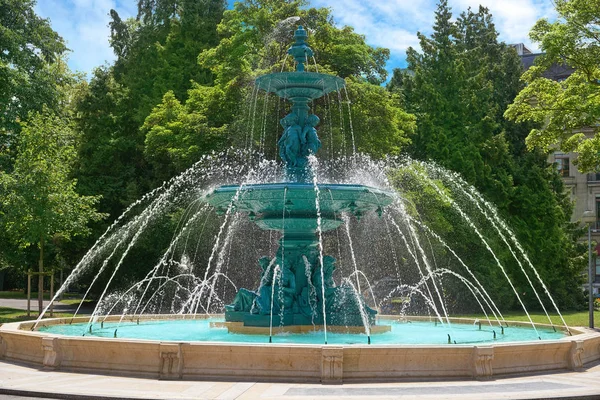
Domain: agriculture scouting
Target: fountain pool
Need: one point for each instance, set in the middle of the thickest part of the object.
(401, 332)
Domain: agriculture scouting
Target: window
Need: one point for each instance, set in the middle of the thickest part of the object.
(597, 275)
(562, 165)
(594, 177)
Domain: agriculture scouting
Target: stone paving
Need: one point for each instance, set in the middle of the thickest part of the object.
(21, 380)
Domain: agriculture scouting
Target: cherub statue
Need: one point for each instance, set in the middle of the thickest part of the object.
(311, 141)
(291, 141)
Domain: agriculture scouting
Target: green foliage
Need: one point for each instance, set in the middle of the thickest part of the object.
(382, 127)
(28, 80)
(39, 200)
(565, 109)
(157, 51)
(110, 161)
(459, 88)
(178, 135)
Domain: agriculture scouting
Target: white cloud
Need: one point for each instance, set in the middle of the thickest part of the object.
(395, 23)
(513, 18)
(392, 23)
(386, 23)
(84, 26)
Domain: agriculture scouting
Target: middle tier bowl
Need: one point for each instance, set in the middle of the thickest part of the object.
(265, 203)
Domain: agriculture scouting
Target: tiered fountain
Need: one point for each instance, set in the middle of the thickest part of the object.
(296, 287)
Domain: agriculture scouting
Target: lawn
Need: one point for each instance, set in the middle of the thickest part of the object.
(14, 315)
(572, 318)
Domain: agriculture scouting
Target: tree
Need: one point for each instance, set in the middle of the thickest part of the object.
(459, 87)
(157, 51)
(383, 127)
(108, 137)
(38, 201)
(565, 110)
(29, 50)
(177, 135)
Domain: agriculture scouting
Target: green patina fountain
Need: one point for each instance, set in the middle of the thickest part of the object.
(296, 287)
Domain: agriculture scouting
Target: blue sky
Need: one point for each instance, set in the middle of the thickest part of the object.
(386, 23)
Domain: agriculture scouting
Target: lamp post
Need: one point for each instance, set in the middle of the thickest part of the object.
(589, 218)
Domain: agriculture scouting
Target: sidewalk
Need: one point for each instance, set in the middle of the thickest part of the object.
(21, 304)
(20, 380)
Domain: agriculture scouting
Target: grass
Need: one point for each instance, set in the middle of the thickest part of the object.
(76, 302)
(14, 315)
(572, 318)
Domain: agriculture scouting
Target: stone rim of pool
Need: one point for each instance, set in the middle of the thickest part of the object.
(291, 362)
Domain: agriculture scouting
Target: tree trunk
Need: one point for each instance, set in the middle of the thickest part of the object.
(29, 292)
(52, 294)
(41, 278)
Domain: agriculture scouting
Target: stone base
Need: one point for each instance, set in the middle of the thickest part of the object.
(239, 327)
(265, 320)
(291, 362)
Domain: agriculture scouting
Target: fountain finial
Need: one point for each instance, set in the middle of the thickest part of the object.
(300, 50)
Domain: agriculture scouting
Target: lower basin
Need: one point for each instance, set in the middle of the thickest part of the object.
(400, 332)
(170, 353)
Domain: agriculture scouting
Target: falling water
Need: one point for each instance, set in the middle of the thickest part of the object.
(470, 223)
(261, 148)
(276, 273)
(361, 308)
(351, 127)
(416, 243)
(346, 220)
(490, 303)
(342, 132)
(313, 165)
(315, 63)
(477, 199)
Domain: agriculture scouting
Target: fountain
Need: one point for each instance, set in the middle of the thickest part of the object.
(303, 319)
(297, 288)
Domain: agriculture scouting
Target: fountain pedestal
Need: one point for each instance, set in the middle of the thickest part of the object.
(295, 282)
(296, 286)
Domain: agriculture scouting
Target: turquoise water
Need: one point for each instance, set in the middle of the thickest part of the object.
(199, 330)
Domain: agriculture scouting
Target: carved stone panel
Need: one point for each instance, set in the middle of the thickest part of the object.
(332, 364)
(50, 347)
(575, 354)
(483, 358)
(171, 362)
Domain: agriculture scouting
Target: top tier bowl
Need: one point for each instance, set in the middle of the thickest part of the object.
(299, 86)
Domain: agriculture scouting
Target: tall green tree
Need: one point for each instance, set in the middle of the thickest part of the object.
(110, 161)
(29, 48)
(39, 202)
(565, 111)
(157, 51)
(178, 135)
(459, 86)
